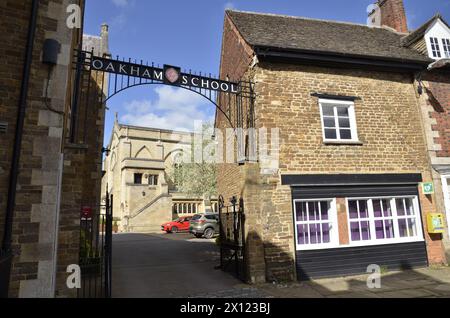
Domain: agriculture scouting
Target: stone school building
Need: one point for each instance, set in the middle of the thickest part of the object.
(356, 126)
(139, 173)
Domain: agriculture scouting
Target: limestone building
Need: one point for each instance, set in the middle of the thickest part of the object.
(137, 172)
(346, 192)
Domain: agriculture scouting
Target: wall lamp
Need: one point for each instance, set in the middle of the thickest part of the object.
(106, 151)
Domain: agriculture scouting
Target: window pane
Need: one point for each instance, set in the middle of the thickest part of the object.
(402, 228)
(365, 230)
(379, 229)
(342, 111)
(353, 209)
(302, 230)
(409, 207)
(400, 207)
(326, 233)
(314, 233)
(363, 210)
(301, 211)
(330, 134)
(344, 123)
(324, 210)
(354, 231)
(389, 228)
(387, 208)
(329, 122)
(346, 134)
(412, 227)
(377, 211)
(328, 110)
(313, 211)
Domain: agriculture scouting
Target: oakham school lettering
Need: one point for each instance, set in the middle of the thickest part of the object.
(170, 75)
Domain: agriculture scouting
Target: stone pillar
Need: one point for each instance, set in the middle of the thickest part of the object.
(256, 267)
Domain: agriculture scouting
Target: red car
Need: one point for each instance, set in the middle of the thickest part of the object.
(179, 225)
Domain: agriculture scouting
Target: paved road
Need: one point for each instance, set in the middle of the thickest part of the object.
(166, 265)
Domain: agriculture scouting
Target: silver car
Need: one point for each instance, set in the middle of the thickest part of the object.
(204, 225)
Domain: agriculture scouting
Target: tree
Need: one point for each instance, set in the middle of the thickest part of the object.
(196, 179)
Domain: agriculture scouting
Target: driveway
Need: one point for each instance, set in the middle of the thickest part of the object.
(166, 265)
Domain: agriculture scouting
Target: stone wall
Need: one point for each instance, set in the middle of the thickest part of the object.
(82, 172)
(37, 202)
(391, 143)
(389, 128)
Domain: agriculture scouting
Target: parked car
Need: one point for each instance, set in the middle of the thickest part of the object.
(204, 225)
(179, 225)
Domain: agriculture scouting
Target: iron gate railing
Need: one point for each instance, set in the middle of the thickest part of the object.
(232, 238)
(96, 251)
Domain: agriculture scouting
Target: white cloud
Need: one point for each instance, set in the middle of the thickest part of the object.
(121, 3)
(229, 6)
(175, 109)
(119, 21)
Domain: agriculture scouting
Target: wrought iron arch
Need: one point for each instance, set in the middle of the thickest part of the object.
(98, 79)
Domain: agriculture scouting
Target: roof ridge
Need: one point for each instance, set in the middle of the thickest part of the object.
(303, 18)
(155, 129)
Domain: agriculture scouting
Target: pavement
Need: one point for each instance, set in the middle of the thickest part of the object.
(166, 265)
(432, 282)
(180, 266)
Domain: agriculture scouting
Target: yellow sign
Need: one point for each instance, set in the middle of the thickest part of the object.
(435, 223)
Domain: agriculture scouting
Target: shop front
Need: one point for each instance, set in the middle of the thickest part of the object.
(345, 223)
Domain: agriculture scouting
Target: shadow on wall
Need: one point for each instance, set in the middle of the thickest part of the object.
(267, 262)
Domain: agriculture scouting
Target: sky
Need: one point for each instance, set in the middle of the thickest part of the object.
(189, 34)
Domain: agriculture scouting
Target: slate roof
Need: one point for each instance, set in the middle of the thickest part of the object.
(322, 36)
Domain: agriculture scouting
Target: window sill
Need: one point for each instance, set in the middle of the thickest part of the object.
(343, 142)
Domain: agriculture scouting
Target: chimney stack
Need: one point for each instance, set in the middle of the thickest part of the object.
(392, 14)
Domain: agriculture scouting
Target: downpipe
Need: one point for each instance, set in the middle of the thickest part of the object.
(6, 251)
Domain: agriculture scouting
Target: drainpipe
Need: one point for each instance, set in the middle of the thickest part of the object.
(6, 253)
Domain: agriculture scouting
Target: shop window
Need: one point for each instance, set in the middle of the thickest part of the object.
(384, 220)
(338, 120)
(359, 220)
(138, 178)
(316, 225)
(407, 220)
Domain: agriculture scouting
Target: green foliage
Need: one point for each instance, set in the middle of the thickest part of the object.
(197, 179)
(87, 253)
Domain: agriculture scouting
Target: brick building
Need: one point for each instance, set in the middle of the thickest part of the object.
(352, 149)
(433, 40)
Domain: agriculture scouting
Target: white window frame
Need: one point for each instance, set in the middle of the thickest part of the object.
(446, 47)
(334, 228)
(373, 240)
(437, 47)
(352, 118)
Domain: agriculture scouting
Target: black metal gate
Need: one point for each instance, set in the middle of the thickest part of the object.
(232, 238)
(96, 250)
